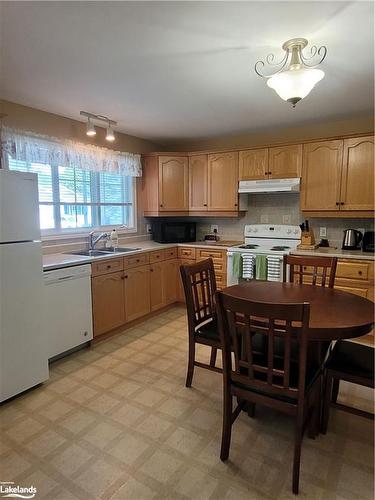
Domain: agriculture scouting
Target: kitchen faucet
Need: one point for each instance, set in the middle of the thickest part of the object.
(93, 241)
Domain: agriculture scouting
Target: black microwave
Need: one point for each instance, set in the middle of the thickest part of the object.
(173, 232)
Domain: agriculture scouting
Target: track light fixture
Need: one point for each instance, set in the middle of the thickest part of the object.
(90, 130)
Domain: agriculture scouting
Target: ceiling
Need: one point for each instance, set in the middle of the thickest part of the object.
(179, 70)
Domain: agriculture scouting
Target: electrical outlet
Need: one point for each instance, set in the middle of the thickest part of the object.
(264, 219)
(148, 228)
(287, 219)
(214, 227)
(322, 232)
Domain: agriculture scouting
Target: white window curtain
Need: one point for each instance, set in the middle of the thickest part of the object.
(32, 148)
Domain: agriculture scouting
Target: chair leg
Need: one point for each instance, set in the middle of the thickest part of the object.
(213, 356)
(251, 409)
(297, 457)
(190, 370)
(326, 403)
(227, 425)
(335, 389)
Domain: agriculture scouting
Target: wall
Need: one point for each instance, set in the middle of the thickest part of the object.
(271, 208)
(41, 122)
(304, 131)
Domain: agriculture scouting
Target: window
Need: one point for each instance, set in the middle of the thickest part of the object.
(71, 199)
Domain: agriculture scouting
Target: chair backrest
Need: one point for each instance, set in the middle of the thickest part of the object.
(312, 270)
(199, 286)
(241, 319)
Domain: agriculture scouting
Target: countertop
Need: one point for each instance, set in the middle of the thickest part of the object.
(60, 260)
(336, 252)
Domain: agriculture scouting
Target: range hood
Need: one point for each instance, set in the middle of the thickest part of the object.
(270, 186)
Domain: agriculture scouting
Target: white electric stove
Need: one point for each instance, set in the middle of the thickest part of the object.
(271, 240)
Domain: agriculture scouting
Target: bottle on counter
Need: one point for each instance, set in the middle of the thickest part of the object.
(114, 238)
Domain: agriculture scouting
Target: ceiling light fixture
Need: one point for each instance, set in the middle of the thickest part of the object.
(90, 129)
(296, 76)
(110, 136)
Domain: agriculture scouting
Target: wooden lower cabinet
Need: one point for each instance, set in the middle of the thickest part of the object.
(169, 280)
(137, 292)
(108, 302)
(156, 286)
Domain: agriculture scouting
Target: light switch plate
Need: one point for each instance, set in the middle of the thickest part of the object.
(322, 232)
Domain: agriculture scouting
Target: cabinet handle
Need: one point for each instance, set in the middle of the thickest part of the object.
(151, 270)
(342, 203)
(205, 204)
(109, 266)
(85, 334)
(337, 203)
(235, 204)
(360, 273)
(137, 260)
(161, 205)
(269, 173)
(124, 277)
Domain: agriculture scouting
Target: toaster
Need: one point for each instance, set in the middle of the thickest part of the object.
(368, 241)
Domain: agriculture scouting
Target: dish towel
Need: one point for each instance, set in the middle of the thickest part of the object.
(237, 265)
(273, 268)
(247, 266)
(261, 267)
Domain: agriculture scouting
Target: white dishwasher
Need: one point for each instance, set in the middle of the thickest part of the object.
(67, 308)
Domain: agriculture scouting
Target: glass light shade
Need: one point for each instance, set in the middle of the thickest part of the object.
(90, 130)
(295, 83)
(110, 136)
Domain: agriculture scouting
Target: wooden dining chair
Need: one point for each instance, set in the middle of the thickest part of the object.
(199, 284)
(264, 378)
(353, 363)
(310, 270)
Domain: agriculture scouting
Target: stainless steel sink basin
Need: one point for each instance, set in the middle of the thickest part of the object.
(120, 250)
(101, 253)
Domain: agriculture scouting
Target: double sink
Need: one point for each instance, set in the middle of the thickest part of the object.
(102, 253)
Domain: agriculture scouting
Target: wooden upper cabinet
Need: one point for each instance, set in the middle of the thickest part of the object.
(198, 178)
(223, 181)
(285, 162)
(321, 174)
(173, 183)
(357, 185)
(253, 164)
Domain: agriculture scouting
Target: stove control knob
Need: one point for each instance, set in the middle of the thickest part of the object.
(296, 231)
(288, 231)
(255, 230)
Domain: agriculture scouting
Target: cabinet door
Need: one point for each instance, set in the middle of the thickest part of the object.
(357, 185)
(156, 286)
(285, 162)
(169, 280)
(173, 183)
(137, 292)
(198, 183)
(108, 302)
(223, 182)
(321, 172)
(253, 164)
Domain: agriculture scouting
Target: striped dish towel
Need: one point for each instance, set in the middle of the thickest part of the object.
(273, 268)
(247, 266)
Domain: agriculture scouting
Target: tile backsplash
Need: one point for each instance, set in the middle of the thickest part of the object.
(279, 208)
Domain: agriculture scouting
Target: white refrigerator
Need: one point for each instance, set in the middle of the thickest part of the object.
(23, 343)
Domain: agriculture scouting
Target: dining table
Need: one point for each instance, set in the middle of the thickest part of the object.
(334, 314)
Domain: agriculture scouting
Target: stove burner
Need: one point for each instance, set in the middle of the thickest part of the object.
(249, 247)
(279, 248)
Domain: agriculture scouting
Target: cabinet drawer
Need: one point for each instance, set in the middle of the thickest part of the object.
(186, 253)
(136, 260)
(156, 256)
(362, 292)
(170, 253)
(354, 270)
(219, 258)
(106, 266)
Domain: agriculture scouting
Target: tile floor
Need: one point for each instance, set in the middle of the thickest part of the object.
(116, 422)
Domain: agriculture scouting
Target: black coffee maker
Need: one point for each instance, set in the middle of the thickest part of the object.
(368, 241)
